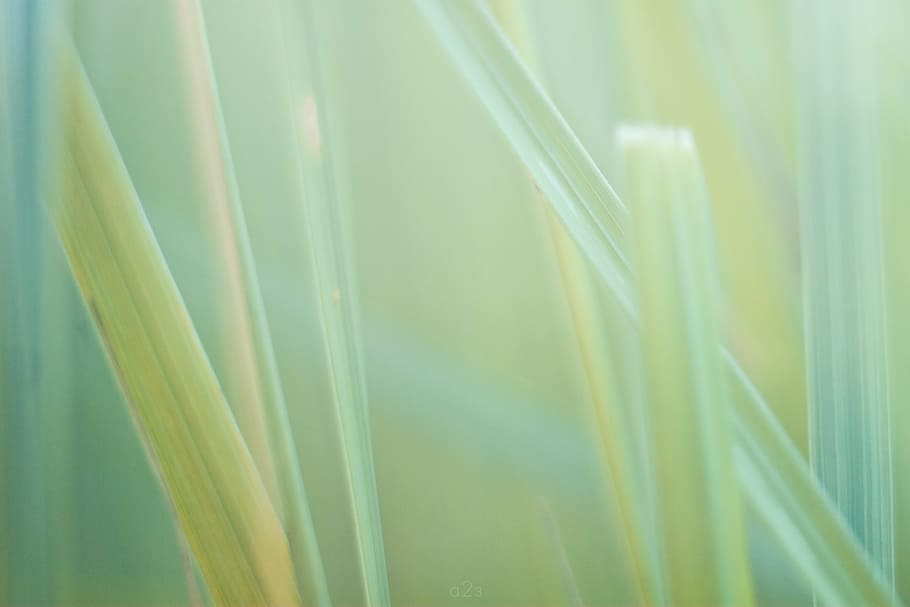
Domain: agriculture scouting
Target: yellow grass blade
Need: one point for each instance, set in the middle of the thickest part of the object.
(621, 444)
(176, 402)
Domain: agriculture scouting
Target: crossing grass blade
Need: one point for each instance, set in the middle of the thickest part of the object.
(319, 163)
(785, 498)
(539, 135)
(622, 439)
(173, 395)
(773, 476)
(216, 167)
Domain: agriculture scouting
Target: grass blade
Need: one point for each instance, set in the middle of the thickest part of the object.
(216, 190)
(221, 503)
(895, 140)
(563, 170)
(623, 440)
(570, 584)
(704, 542)
(843, 271)
(332, 254)
(216, 166)
(574, 186)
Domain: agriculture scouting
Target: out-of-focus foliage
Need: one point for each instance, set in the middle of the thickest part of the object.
(506, 365)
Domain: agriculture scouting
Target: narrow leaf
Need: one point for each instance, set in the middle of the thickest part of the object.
(175, 399)
(843, 269)
(23, 103)
(624, 443)
(332, 254)
(217, 169)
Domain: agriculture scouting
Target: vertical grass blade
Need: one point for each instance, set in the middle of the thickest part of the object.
(843, 269)
(25, 107)
(785, 497)
(895, 135)
(175, 399)
(59, 416)
(700, 510)
(332, 254)
(564, 171)
(216, 167)
(773, 476)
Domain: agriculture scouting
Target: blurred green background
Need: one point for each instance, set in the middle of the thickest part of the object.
(479, 412)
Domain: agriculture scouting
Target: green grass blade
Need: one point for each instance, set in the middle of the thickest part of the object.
(26, 460)
(332, 254)
(785, 497)
(563, 169)
(217, 168)
(175, 399)
(621, 441)
(616, 424)
(704, 543)
(756, 234)
(240, 377)
(894, 130)
(843, 270)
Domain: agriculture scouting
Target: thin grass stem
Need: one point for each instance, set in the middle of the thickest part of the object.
(173, 394)
(216, 167)
(319, 163)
